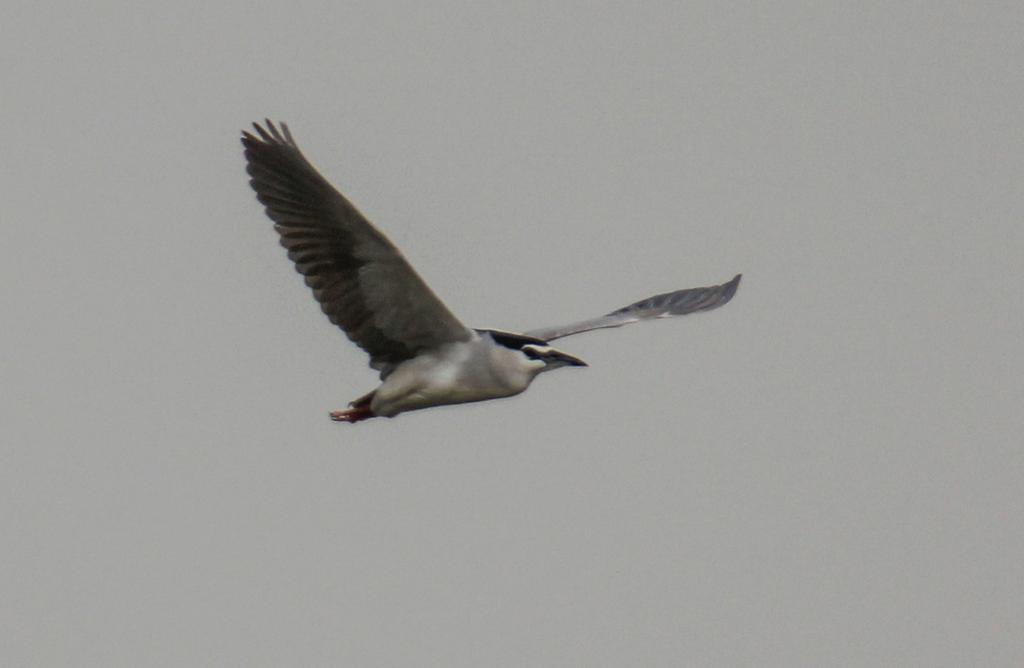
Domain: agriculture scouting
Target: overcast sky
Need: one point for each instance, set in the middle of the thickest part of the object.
(826, 472)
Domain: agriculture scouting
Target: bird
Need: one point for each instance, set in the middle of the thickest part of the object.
(425, 356)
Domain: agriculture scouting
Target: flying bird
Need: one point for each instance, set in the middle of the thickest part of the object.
(426, 357)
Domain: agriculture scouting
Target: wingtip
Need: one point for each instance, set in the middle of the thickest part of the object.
(730, 288)
(268, 132)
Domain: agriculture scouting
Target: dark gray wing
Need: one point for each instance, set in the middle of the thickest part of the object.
(669, 304)
(361, 280)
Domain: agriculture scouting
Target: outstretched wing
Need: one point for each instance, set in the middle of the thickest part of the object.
(669, 304)
(361, 280)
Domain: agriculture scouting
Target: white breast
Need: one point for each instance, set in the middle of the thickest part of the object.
(474, 370)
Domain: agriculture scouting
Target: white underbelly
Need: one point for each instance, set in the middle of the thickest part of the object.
(451, 376)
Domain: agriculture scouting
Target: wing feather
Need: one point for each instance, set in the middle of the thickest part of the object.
(360, 279)
(680, 302)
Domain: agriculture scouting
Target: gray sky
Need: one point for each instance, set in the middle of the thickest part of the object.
(828, 471)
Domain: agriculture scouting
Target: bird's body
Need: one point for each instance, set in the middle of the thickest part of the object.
(455, 373)
(425, 356)
(488, 366)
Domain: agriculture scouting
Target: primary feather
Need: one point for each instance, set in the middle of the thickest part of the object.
(361, 280)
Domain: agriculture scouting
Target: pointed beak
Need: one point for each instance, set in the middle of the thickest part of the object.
(570, 360)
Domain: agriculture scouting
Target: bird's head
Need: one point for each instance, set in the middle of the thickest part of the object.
(552, 359)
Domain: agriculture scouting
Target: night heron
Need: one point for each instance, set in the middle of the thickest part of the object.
(425, 356)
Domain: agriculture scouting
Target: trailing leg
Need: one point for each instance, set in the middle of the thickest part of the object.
(360, 410)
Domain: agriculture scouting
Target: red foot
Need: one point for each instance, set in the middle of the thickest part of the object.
(354, 414)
